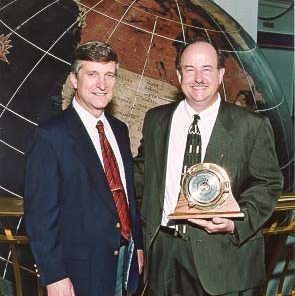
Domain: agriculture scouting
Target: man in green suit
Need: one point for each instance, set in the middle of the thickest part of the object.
(215, 256)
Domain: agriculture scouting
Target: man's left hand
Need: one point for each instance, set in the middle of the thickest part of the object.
(140, 260)
(215, 225)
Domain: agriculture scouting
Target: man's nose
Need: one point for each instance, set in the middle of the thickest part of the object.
(198, 76)
(100, 83)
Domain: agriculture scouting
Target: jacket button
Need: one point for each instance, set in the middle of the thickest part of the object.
(116, 253)
(118, 225)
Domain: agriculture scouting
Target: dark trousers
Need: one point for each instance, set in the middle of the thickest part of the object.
(172, 269)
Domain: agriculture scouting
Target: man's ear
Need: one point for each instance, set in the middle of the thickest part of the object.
(221, 73)
(179, 76)
(74, 79)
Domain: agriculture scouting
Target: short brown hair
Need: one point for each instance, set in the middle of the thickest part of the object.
(94, 51)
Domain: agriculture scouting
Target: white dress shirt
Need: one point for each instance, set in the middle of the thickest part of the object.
(181, 121)
(90, 122)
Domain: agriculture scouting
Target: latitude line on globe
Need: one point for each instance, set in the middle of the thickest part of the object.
(9, 191)
(8, 4)
(31, 17)
(12, 147)
(146, 93)
(17, 114)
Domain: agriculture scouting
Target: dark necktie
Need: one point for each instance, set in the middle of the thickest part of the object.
(113, 175)
(192, 154)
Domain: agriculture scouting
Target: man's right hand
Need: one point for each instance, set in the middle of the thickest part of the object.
(61, 288)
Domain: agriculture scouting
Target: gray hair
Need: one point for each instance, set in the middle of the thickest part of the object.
(94, 51)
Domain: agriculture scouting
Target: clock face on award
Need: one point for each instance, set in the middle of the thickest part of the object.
(204, 187)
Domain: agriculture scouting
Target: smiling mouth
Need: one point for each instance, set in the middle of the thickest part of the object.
(99, 94)
(200, 86)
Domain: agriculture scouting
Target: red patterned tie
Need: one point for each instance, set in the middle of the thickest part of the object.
(113, 175)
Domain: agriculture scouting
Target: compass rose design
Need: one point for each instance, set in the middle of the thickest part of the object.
(4, 46)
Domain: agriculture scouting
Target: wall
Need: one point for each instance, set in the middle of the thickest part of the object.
(276, 38)
(244, 12)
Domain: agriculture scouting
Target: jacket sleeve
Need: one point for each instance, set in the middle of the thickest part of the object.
(41, 204)
(264, 184)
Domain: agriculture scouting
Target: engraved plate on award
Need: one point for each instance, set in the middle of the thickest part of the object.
(206, 193)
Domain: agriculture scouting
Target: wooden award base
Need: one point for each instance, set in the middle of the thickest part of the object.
(227, 207)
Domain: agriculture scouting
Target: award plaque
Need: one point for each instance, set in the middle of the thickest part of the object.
(206, 193)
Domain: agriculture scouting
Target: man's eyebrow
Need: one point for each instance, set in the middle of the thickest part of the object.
(204, 66)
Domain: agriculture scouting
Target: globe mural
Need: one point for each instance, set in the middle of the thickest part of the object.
(37, 39)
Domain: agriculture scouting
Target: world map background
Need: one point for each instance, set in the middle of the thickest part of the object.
(37, 39)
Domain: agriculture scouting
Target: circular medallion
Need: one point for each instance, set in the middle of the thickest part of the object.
(204, 185)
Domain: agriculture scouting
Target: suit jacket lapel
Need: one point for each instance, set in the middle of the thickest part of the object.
(222, 136)
(87, 154)
(161, 141)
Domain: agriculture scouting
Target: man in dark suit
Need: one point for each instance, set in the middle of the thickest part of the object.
(217, 256)
(80, 208)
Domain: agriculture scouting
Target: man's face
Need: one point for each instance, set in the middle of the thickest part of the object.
(94, 85)
(199, 76)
